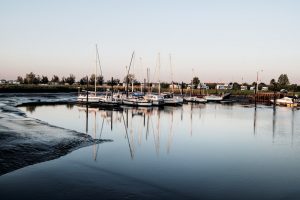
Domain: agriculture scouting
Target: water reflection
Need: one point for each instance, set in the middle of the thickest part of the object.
(282, 123)
(238, 151)
(156, 129)
(30, 109)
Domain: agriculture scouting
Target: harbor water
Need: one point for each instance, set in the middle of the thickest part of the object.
(197, 151)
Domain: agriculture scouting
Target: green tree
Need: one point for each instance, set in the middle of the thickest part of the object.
(195, 82)
(164, 85)
(44, 80)
(83, 81)
(283, 80)
(92, 79)
(63, 80)
(55, 79)
(261, 85)
(272, 82)
(71, 79)
(236, 86)
(100, 80)
(30, 78)
(20, 79)
(115, 82)
(131, 78)
(273, 85)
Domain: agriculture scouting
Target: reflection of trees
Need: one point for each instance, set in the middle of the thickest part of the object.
(70, 106)
(30, 109)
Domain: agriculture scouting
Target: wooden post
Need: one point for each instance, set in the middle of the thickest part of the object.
(112, 86)
(87, 90)
(255, 93)
(274, 98)
(87, 100)
(181, 88)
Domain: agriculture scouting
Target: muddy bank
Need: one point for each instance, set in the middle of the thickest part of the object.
(25, 141)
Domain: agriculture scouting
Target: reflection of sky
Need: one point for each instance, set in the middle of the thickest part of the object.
(168, 131)
(212, 151)
(221, 40)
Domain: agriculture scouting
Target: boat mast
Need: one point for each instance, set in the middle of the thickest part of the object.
(171, 73)
(127, 78)
(192, 82)
(96, 70)
(99, 60)
(141, 73)
(159, 73)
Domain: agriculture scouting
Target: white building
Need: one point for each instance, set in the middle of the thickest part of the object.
(202, 86)
(176, 86)
(224, 87)
(244, 87)
(264, 89)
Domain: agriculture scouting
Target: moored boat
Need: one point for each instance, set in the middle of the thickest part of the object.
(171, 100)
(137, 99)
(156, 99)
(286, 101)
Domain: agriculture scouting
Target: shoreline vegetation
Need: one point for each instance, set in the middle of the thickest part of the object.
(36, 88)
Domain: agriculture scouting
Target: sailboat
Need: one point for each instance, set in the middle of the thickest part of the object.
(91, 96)
(194, 99)
(135, 99)
(156, 98)
(169, 97)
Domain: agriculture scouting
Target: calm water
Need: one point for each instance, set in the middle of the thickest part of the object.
(210, 151)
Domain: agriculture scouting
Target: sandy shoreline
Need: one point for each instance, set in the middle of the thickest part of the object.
(25, 141)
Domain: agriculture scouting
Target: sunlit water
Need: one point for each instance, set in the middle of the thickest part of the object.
(210, 151)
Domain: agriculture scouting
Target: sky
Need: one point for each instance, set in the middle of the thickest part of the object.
(217, 41)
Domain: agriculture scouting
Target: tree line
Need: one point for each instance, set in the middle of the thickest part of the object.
(31, 78)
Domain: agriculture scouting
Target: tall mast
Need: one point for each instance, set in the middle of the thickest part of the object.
(171, 73)
(96, 70)
(127, 79)
(141, 73)
(98, 60)
(159, 73)
(192, 84)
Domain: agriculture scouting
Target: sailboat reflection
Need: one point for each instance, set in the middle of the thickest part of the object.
(254, 123)
(273, 125)
(142, 127)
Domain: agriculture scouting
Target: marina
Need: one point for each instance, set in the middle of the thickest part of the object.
(148, 148)
(149, 100)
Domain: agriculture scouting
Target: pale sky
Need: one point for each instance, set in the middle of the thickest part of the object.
(223, 41)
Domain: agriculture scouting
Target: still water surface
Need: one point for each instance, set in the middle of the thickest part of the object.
(210, 151)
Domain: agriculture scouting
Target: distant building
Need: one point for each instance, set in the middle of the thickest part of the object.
(13, 82)
(176, 86)
(264, 89)
(252, 88)
(224, 86)
(244, 87)
(2, 81)
(202, 86)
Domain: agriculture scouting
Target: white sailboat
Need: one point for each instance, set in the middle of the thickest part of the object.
(169, 97)
(156, 98)
(137, 99)
(91, 96)
(171, 100)
(286, 101)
